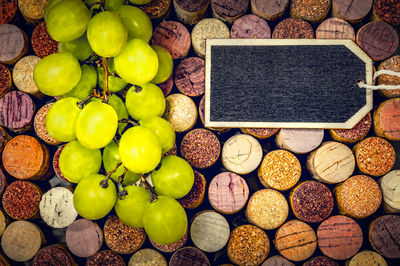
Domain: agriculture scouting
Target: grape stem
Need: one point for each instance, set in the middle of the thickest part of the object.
(92, 60)
(107, 93)
(104, 183)
(82, 103)
(149, 188)
(121, 192)
(128, 121)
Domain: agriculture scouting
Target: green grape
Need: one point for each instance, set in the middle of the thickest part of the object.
(57, 74)
(140, 2)
(110, 160)
(139, 150)
(85, 85)
(80, 48)
(107, 34)
(77, 161)
(162, 128)
(175, 177)
(137, 22)
(137, 63)
(61, 119)
(131, 208)
(67, 20)
(113, 5)
(91, 200)
(165, 220)
(50, 6)
(96, 125)
(165, 64)
(115, 84)
(145, 102)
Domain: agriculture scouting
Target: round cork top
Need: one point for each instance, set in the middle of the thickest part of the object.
(167, 85)
(32, 9)
(192, 5)
(293, 28)
(279, 170)
(385, 236)
(299, 140)
(387, 119)
(196, 194)
(105, 257)
(339, 237)
(277, 260)
(229, 8)
(228, 192)
(56, 165)
(52, 255)
(249, 245)
(358, 132)
(16, 111)
(388, 11)
(267, 208)
(335, 28)
(21, 240)
(39, 124)
(42, 44)
(312, 201)
(375, 156)
(147, 256)
(180, 111)
(390, 185)
(311, 10)
(84, 238)
(378, 39)
(157, 9)
(241, 154)
(5, 80)
(392, 63)
(23, 74)
(352, 10)
(367, 257)
(189, 256)
(13, 42)
(269, 9)
(8, 10)
(168, 248)
(190, 76)
(260, 133)
(295, 240)
(3, 222)
(359, 196)
(320, 261)
(250, 26)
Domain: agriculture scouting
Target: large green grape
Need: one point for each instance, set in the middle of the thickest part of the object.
(139, 150)
(85, 85)
(67, 20)
(137, 63)
(131, 208)
(165, 220)
(77, 161)
(175, 177)
(115, 84)
(137, 22)
(110, 160)
(145, 102)
(80, 48)
(61, 119)
(162, 128)
(165, 65)
(49, 6)
(96, 125)
(139, 2)
(113, 5)
(91, 200)
(57, 74)
(107, 34)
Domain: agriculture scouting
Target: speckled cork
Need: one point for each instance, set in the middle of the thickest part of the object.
(359, 196)
(332, 162)
(84, 238)
(299, 140)
(387, 119)
(17, 111)
(9, 11)
(375, 156)
(295, 240)
(190, 76)
(351, 10)
(384, 236)
(32, 10)
(105, 257)
(180, 111)
(267, 208)
(390, 185)
(320, 261)
(229, 10)
(228, 192)
(393, 64)
(357, 133)
(56, 165)
(196, 194)
(277, 260)
(147, 257)
(39, 124)
(241, 154)
(5, 80)
(293, 28)
(335, 28)
(339, 237)
(367, 257)
(23, 75)
(250, 27)
(168, 248)
(280, 170)
(13, 44)
(54, 254)
(157, 9)
(310, 10)
(190, 11)
(248, 245)
(260, 133)
(189, 256)
(269, 9)
(387, 10)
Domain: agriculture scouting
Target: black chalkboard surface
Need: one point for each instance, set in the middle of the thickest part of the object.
(286, 83)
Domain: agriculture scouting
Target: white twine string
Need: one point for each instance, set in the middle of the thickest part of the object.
(362, 84)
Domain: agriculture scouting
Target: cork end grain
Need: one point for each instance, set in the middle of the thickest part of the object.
(168, 248)
(388, 11)
(392, 63)
(147, 257)
(13, 44)
(384, 236)
(84, 238)
(39, 124)
(293, 28)
(269, 9)
(190, 76)
(357, 133)
(53, 255)
(23, 75)
(335, 28)
(390, 185)
(17, 111)
(5, 80)
(367, 257)
(32, 9)
(105, 257)
(311, 10)
(189, 256)
(260, 133)
(387, 119)
(351, 10)
(180, 111)
(196, 195)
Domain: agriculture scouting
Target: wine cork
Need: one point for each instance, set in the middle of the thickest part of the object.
(260, 133)
(387, 119)
(241, 154)
(339, 237)
(299, 140)
(331, 163)
(84, 238)
(17, 111)
(310, 10)
(335, 28)
(229, 10)
(390, 185)
(189, 256)
(269, 9)
(180, 111)
(320, 260)
(54, 254)
(4, 139)
(3, 182)
(5, 80)
(248, 245)
(22, 240)
(277, 260)
(202, 107)
(267, 208)
(358, 197)
(23, 75)
(147, 257)
(196, 194)
(367, 257)
(24, 157)
(280, 170)
(378, 39)
(295, 240)
(393, 64)
(9, 11)
(351, 10)
(293, 28)
(167, 85)
(387, 11)
(384, 236)
(209, 28)
(250, 27)
(3, 222)
(190, 76)
(39, 124)
(228, 192)
(105, 257)
(32, 10)
(42, 44)
(168, 248)
(357, 133)
(13, 44)
(174, 37)
(375, 156)
(157, 9)
(56, 164)
(209, 231)
(57, 207)
(190, 11)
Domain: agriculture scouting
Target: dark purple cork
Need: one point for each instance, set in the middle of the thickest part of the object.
(192, 5)
(105, 257)
(320, 261)
(17, 111)
(52, 255)
(189, 256)
(385, 236)
(190, 76)
(229, 8)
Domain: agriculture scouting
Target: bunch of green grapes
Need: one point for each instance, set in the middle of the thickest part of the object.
(114, 140)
